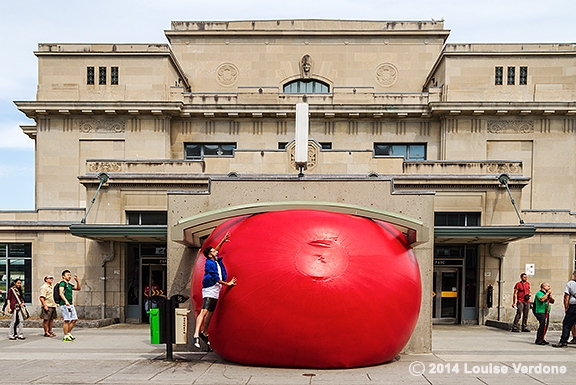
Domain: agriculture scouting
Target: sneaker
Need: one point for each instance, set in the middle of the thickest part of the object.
(12, 338)
(21, 337)
(560, 345)
(197, 342)
(572, 341)
(71, 337)
(204, 337)
(515, 331)
(67, 339)
(526, 330)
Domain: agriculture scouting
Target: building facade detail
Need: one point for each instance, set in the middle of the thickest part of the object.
(510, 126)
(227, 74)
(116, 126)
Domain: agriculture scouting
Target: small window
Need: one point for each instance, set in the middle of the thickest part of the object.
(90, 75)
(307, 86)
(282, 145)
(326, 145)
(146, 218)
(16, 263)
(456, 219)
(511, 76)
(201, 150)
(102, 75)
(523, 80)
(407, 151)
(114, 75)
(498, 75)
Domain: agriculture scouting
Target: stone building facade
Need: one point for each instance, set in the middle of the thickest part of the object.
(141, 149)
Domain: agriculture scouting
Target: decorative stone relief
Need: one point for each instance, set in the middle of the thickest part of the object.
(313, 150)
(227, 74)
(510, 126)
(305, 66)
(105, 167)
(386, 74)
(499, 168)
(102, 125)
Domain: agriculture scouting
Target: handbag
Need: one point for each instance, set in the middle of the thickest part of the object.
(20, 305)
(24, 312)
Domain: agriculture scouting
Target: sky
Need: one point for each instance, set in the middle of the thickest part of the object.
(26, 23)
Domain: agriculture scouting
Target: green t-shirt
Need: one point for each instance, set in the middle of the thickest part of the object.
(67, 292)
(539, 306)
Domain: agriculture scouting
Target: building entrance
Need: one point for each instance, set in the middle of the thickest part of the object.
(454, 286)
(146, 269)
(445, 289)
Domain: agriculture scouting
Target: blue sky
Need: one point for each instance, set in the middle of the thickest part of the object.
(25, 23)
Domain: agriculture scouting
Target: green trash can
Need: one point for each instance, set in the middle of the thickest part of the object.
(154, 315)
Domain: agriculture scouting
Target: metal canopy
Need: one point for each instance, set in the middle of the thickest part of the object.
(481, 234)
(124, 233)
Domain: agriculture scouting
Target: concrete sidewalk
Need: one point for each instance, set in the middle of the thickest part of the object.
(122, 354)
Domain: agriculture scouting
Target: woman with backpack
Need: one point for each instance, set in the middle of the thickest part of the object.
(15, 307)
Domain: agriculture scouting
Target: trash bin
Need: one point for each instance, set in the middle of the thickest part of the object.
(154, 315)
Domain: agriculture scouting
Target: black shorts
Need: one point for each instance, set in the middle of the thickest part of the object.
(209, 303)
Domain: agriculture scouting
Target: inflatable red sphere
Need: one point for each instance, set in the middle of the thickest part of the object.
(315, 290)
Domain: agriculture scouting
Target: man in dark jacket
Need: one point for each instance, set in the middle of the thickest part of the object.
(214, 277)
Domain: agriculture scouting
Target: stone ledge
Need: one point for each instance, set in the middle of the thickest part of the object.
(82, 323)
(556, 326)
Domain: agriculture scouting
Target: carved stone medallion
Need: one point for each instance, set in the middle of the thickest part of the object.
(386, 74)
(227, 74)
(313, 151)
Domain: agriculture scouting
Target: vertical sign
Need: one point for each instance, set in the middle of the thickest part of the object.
(530, 269)
(301, 151)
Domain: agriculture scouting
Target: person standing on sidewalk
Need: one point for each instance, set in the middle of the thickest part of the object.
(521, 302)
(66, 307)
(48, 313)
(15, 299)
(570, 308)
(214, 278)
(542, 311)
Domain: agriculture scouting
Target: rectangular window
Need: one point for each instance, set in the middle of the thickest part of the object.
(407, 151)
(146, 218)
(498, 75)
(523, 76)
(200, 150)
(456, 219)
(114, 75)
(511, 76)
(16, 263)
(90, 75)
(102, 75)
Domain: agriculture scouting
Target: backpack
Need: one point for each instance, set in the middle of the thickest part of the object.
(56, 293)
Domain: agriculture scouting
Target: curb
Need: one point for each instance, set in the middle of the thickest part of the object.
(82, 323)
(556, 326)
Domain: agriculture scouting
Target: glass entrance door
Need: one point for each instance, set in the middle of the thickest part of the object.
(446, 292)
(146, 276)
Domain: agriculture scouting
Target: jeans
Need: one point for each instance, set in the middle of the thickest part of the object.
(569, 320)
(16, 324)
(541, 317)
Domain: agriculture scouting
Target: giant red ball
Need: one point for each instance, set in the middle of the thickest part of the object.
(315, 290)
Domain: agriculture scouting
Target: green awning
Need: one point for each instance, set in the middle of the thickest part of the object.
(481, 234)
(124, 233)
